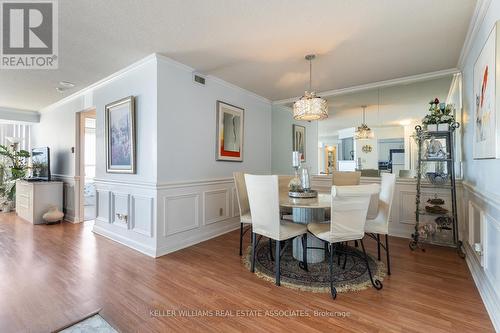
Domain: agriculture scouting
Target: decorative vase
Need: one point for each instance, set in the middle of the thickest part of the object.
(304, 179)
(432, 127)
(53, 215)
(295, 185)
(443, 127)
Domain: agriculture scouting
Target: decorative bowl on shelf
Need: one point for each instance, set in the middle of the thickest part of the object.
(436, 201)
(437, 178)
(436, 210)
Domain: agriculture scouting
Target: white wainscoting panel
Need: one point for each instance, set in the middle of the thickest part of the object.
(216, 205)
(491, 251)
(483, 228)
(181, 213)
(71, 199)
(193, 212)
(142, 215)
(120, 206)
(236, 208)
(103, 208)
(135, 201)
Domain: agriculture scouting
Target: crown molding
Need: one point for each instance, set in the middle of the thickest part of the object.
(19, 115)
(379, 84)
(156, 57)
(211, 78)
(474, 26)
(100, 83)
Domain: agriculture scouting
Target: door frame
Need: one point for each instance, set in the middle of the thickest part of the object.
(80, 159)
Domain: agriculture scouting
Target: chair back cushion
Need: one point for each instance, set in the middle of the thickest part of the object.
(241, 193)
(349, 209)
(374, 204)
(388, 184)
(263, 196)
(346, 178)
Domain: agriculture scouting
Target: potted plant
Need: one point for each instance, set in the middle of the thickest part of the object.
(14, 167)
(440, 116)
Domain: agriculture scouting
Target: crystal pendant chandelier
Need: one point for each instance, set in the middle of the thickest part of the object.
(364, 132)
(310, 106)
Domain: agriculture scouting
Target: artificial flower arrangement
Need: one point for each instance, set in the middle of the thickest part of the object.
(439, 113)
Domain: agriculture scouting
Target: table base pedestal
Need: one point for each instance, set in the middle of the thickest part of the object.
(313, 255)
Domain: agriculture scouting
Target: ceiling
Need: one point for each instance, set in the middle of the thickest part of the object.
(400, 104)
(258, 45)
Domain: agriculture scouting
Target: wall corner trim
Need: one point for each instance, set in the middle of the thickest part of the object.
(474, 25)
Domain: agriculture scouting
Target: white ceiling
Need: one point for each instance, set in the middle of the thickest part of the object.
(258, 45)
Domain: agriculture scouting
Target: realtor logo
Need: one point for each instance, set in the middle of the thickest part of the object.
(29, 34)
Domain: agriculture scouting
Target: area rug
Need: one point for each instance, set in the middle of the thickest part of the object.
(353, 278)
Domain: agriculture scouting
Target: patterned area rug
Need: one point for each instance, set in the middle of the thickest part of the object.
(353, 278)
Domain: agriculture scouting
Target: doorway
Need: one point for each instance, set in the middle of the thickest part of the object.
(87, 164)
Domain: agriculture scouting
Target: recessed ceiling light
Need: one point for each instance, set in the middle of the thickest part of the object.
(66, 84)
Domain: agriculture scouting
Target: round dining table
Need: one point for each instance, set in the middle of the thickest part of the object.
(304, 211)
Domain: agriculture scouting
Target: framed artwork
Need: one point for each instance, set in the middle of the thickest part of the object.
(299, 140)
(120, 136)
(486, 119)
(229, 146)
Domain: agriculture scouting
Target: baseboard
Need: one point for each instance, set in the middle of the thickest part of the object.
(71, 219)
(400, 234)
(198, 237)
(124, 241)
(486, 290)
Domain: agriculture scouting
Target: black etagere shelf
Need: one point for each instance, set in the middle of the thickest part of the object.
(436, 148)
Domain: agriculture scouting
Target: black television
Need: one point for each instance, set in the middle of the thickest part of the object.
(40, 163)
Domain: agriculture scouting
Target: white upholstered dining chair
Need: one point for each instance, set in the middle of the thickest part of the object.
(348, 218)
(243, 205)
(263, 196)
(379, 224)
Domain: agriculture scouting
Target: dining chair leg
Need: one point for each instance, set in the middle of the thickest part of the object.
(339, 255)
(375, 282)
(271, 249)
(345, 255)
(378, 247)
(241, 239)
(277, 262)
(327, 253)
(254, 241)
(333, 290)
(304, 252)
(387, 254)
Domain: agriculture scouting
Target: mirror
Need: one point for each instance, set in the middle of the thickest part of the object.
(391, 113)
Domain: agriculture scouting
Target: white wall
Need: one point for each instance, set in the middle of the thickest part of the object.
(132, 195)
(482, 184)
(282, 144)
(187, 126)
(196, 197)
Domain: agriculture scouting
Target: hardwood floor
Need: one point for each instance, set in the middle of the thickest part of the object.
(53, 275)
